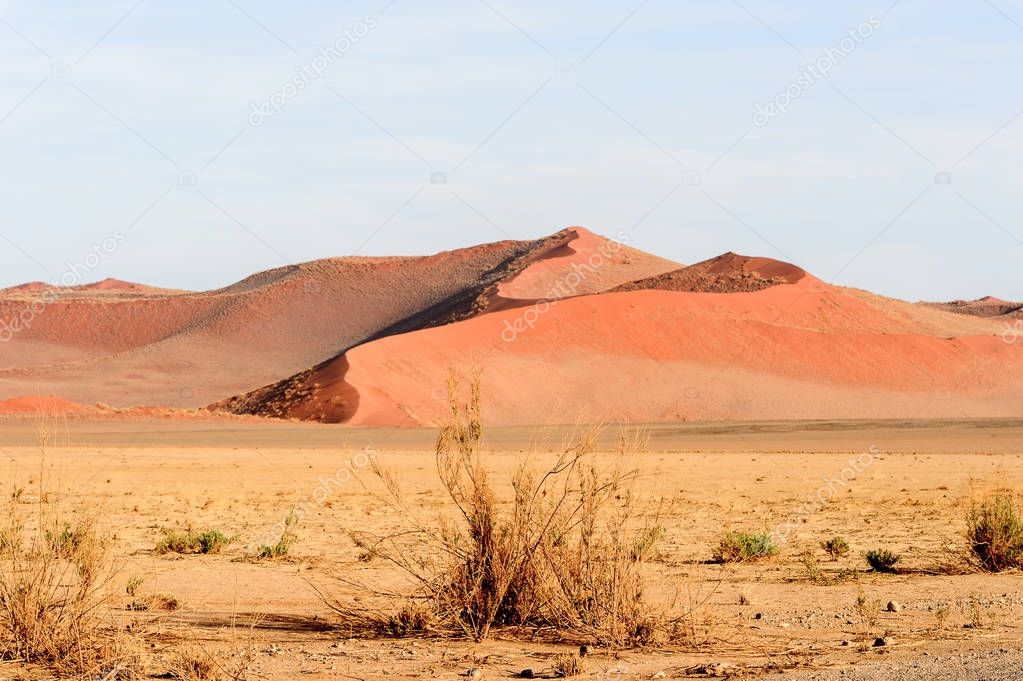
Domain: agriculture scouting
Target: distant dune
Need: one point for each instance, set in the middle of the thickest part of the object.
(566, 328)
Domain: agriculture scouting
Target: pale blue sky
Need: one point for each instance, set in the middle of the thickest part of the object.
(103, 106)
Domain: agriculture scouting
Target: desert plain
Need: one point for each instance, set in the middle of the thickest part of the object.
(788, 616)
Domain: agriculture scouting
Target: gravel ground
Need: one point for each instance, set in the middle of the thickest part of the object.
(996, 665)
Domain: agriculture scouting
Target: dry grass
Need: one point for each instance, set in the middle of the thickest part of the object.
(568, 664)
(194, 662)
(994, 532)
(738, 547)
(56, 574)
(191, 542)
(565, 552)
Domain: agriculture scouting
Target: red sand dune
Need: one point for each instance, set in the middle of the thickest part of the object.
(41, 405)
(569, 327)
(190, 349)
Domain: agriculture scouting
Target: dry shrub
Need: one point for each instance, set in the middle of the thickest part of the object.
(738, 547)
(191, 541)
(565, 552)
(55, 590)
(994, 531)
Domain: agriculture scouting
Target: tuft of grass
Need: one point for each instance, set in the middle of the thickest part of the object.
(745, 546)
(133, 586)
(994, 530)
(191, 542)
(411, 620)
(836, 547)
(568, 664)
(194, 663)
(66, 542)
(283, 545)
(882, 560)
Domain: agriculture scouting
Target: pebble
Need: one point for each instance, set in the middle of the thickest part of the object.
(893, 606)
(886, 641)
(475, 673)
(658, 675)
(585, 650)
(526, 673)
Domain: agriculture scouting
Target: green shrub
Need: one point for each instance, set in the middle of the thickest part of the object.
(283, 545)
(210, 541)
(882, 560)
(836, 547)
(744, 546)
(995, 533)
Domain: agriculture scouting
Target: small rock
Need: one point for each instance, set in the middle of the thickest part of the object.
(658, 675)
(845, 643)
(885, 641)
(893, 606)
(585, 650)
(475, 673)
(758, 616)
(526, 673)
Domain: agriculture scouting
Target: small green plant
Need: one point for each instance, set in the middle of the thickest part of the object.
(813, 569)
(995, 533)
(745, 546)
(65, 543)
(882, 560)
(283, 545)
(132, 588)
(866, 610)
(210, 541)
(836, 547)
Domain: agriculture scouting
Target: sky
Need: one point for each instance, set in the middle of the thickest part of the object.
(189, 144)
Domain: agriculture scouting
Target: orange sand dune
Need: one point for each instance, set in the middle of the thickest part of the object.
(793, 350)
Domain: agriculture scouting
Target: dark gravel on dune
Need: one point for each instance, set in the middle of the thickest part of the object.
(997, 665)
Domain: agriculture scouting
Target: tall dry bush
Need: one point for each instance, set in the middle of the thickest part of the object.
(565, 551)
(56, 576)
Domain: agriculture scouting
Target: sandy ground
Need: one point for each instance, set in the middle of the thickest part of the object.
(908, 494)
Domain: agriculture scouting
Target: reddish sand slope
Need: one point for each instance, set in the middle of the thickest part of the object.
(666, 349)
(126, 344)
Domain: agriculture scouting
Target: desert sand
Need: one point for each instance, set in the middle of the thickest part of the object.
(244, 477)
